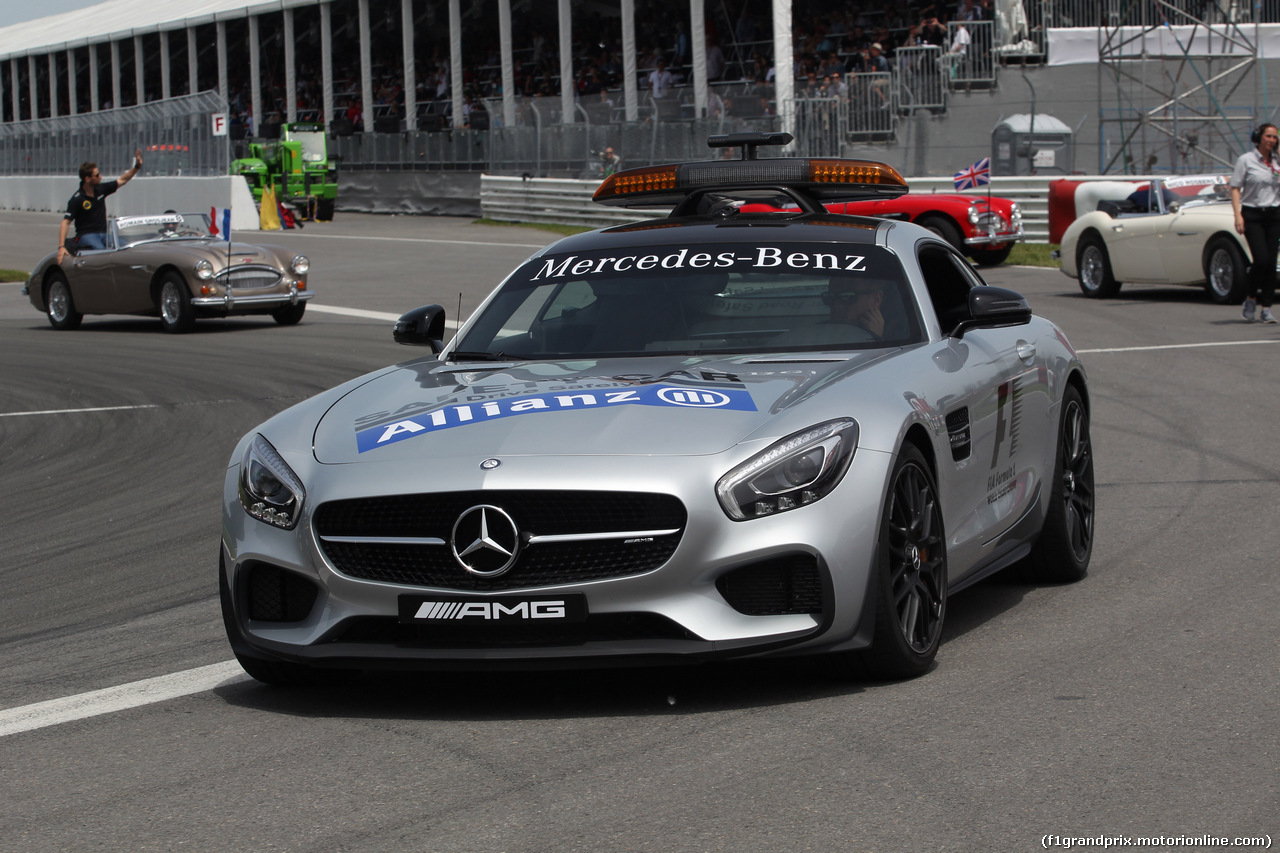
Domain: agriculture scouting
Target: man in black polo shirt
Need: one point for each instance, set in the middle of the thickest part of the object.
(88, 207)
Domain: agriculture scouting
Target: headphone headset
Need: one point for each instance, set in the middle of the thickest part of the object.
(1256, 136)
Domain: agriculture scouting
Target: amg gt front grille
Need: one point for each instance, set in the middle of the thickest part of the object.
(247, 278)
(783, 585)
(568, 536)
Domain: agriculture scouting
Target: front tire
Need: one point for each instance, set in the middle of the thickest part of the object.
(1094, 267)
(911, 582)
(944, 228)
(289, 315)
(1061, 555)
(60, 308)
(174, 303)
(1224, 272)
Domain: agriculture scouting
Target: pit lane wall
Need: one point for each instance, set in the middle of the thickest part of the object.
(568, 202)
(142, 195)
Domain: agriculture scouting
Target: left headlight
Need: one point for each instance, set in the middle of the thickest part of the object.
(300, 264)
(1015, 215)
(204, 270)
(798, 470)
(269, 490)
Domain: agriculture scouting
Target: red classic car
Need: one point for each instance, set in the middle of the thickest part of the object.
(983, 228)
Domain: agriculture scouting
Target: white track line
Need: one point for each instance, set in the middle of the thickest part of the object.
(107, 701)
(1178, 346)
(550, 239)
(78, 411)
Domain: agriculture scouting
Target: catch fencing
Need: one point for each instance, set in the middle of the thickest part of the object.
(176, 136)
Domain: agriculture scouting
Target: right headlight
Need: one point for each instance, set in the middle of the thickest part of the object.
(204, 270)
(791, 473)
(269, 490)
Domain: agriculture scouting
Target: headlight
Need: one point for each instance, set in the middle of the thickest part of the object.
(204, 270)
(791, 473)
(269, 490)
(300, 265)
(974, 214)
(1015, 216)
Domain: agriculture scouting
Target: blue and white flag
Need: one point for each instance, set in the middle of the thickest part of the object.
(220, 222)
(974, 176)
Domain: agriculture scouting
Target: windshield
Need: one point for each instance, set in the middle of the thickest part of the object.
(131, 230)
(730, 298)
(312, 146)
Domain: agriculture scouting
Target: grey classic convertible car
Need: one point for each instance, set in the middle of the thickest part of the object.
(716, 434)
(171, 265)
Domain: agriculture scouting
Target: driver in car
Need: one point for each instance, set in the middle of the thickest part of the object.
(856, 302)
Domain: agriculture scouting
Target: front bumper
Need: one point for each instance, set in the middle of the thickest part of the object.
(231, 301)
(674, 613)
(993, 237)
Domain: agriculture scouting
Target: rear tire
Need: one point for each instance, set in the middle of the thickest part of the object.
(174, 304)
(1093, 265)
(324, 209)
(60, 308)
(289, 315)
(1061, 555)
(1225, 276)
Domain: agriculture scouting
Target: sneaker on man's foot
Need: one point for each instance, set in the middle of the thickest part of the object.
(1249, 308)
(1267, 316)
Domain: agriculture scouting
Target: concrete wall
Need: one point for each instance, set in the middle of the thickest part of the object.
(140, 195)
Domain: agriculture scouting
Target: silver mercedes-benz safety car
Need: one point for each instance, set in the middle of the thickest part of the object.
(717, 434)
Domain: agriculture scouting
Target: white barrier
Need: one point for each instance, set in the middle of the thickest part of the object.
(568, 202)
(142, 195)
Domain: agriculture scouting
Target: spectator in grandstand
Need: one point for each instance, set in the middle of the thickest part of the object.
(661, 80)
(970, 10)
(932, 32)
(87, 207)
(715, 61)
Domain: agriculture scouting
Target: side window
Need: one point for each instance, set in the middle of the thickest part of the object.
(948, 285)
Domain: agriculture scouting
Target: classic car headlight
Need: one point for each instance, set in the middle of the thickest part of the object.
(300, 264)
(204, 270)
(791, 473)
(269, 490)
(1015, 216)
(974, 214)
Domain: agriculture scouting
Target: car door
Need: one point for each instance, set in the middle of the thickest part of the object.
(90, 275)
(996, 414)
(1135, 242)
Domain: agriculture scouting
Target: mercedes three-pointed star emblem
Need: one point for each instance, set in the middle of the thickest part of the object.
(485, 541)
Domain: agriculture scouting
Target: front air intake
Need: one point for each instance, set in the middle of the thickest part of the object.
(276, 595)
(785, 585)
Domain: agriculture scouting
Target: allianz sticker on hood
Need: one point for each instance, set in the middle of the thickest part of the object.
(465, 414)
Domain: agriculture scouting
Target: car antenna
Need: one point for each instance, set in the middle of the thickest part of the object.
(458, 316)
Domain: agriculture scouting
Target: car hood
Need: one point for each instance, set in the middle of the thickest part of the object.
(215, 251)
(693, 406)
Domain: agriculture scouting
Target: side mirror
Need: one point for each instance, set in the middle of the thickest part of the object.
(993, 307)
(421, 327)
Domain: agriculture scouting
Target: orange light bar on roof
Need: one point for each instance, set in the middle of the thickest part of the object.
(653, 186)
(648, 179)
(853, 172)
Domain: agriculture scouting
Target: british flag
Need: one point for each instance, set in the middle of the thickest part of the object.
(974, 176)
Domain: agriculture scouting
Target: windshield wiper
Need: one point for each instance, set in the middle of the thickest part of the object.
(479, 356)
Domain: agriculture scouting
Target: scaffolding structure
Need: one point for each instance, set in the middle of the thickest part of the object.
(1185, 82)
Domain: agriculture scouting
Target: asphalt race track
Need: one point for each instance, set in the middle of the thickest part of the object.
(1140, 702)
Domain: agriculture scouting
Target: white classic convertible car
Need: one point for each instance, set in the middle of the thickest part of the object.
(1176, 230)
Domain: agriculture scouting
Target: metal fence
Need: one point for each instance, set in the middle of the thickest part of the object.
(176, 137)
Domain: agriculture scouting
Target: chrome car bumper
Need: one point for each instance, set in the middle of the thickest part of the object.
(230, 301)
(995, 237)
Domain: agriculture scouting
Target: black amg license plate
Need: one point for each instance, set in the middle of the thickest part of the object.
(514, 610)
